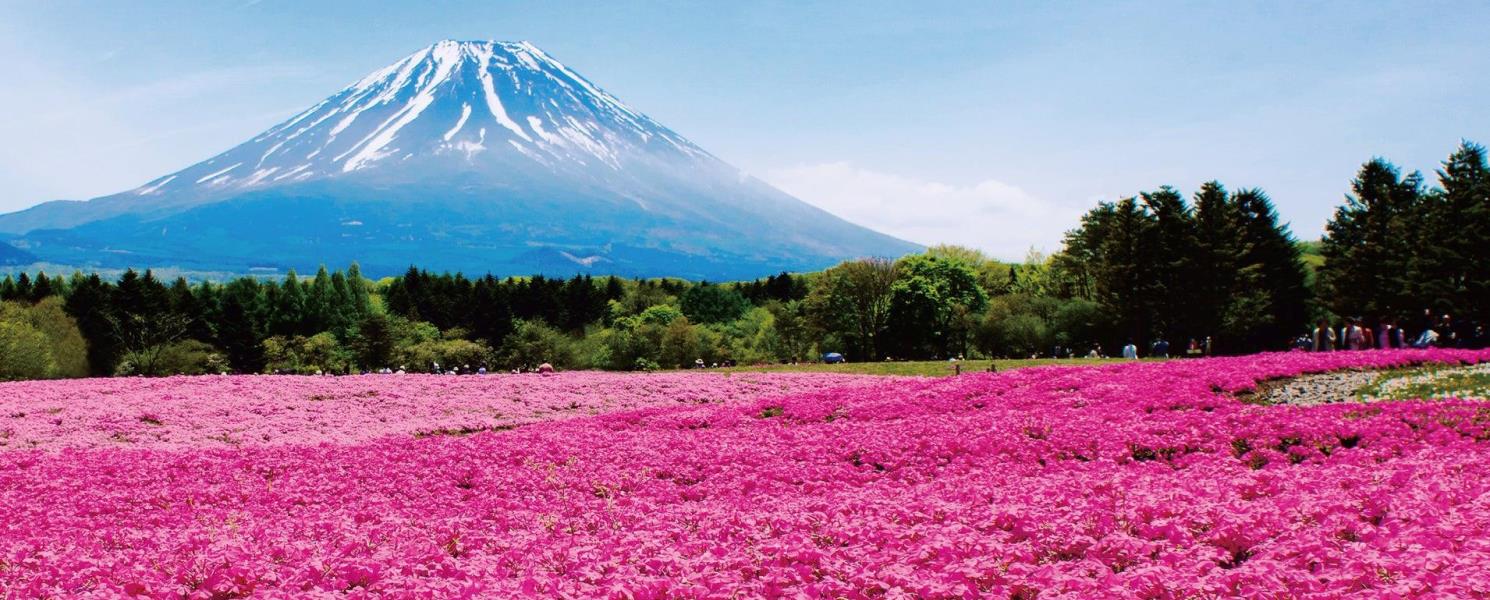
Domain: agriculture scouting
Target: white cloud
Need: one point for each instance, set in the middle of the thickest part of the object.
(998, 218)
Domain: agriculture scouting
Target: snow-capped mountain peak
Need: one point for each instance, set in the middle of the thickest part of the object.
(467, 104)
(472, 156)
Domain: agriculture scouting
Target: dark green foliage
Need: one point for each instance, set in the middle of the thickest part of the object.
(709, 303)
(850, 304)
(1396, 248)
(1270, 281)
(374, 342)
(783, 287)
(1455, 226)
(91, 305)
(1370, 241)
(934, 306)
(241, 328)
(1157, 268)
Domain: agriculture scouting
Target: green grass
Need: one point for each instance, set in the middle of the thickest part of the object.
(923, 368)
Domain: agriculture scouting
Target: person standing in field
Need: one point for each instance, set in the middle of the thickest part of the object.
(1324, 337)
(1350, 335)
(1368, 338)
(1389, 335)
(1130, 351)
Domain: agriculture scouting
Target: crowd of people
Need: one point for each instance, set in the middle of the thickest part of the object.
(1355, 333)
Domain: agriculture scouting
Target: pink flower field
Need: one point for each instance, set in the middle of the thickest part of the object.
(229, 411)
(1142, 480)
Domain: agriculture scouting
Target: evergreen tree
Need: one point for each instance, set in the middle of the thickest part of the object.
(22, 288)
(240, 330)
(288, 314)
(319, 304)
(183, 303)
(614, 290)
(140, 297)
(1078, 265)
(341, 308)
(1218, 241)
(1368, 245)
(374, 342)
(1272, 291)
(491, 317)
(90, 304)
(1124, 276)
(1450, 266)
(358, 291)
(42, 289)
(1172, 260)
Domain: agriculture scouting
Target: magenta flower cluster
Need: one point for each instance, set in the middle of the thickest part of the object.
(1136, 480)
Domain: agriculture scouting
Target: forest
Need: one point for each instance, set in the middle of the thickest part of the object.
(1218, 266)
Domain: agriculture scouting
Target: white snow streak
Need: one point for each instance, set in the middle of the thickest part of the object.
(153, 188)
(465, 113)
(214, 175)
(493, 101)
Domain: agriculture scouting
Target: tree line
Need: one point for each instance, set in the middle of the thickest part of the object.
(1218, 267)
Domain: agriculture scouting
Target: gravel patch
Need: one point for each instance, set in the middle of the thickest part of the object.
(1315, 388)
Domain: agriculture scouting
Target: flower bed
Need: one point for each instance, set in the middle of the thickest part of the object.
(1135, 480)
(250, 410)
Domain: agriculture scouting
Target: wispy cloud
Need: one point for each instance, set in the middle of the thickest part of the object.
(991, 215)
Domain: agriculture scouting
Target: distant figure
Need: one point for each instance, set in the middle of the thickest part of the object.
(1428, 339)
(1130, 351)
(546, 369)
(1096, 351)
(1303, 343)
(1351, 336)
(1161, 348)
(1448, 335)
(698, 363)
(1324, 337)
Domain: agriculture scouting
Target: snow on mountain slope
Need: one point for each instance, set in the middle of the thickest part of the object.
(461, 100)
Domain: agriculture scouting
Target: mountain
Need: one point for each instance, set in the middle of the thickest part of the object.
(13, 256)
(472, 156)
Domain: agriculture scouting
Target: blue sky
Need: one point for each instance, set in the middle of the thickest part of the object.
(991, 125)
